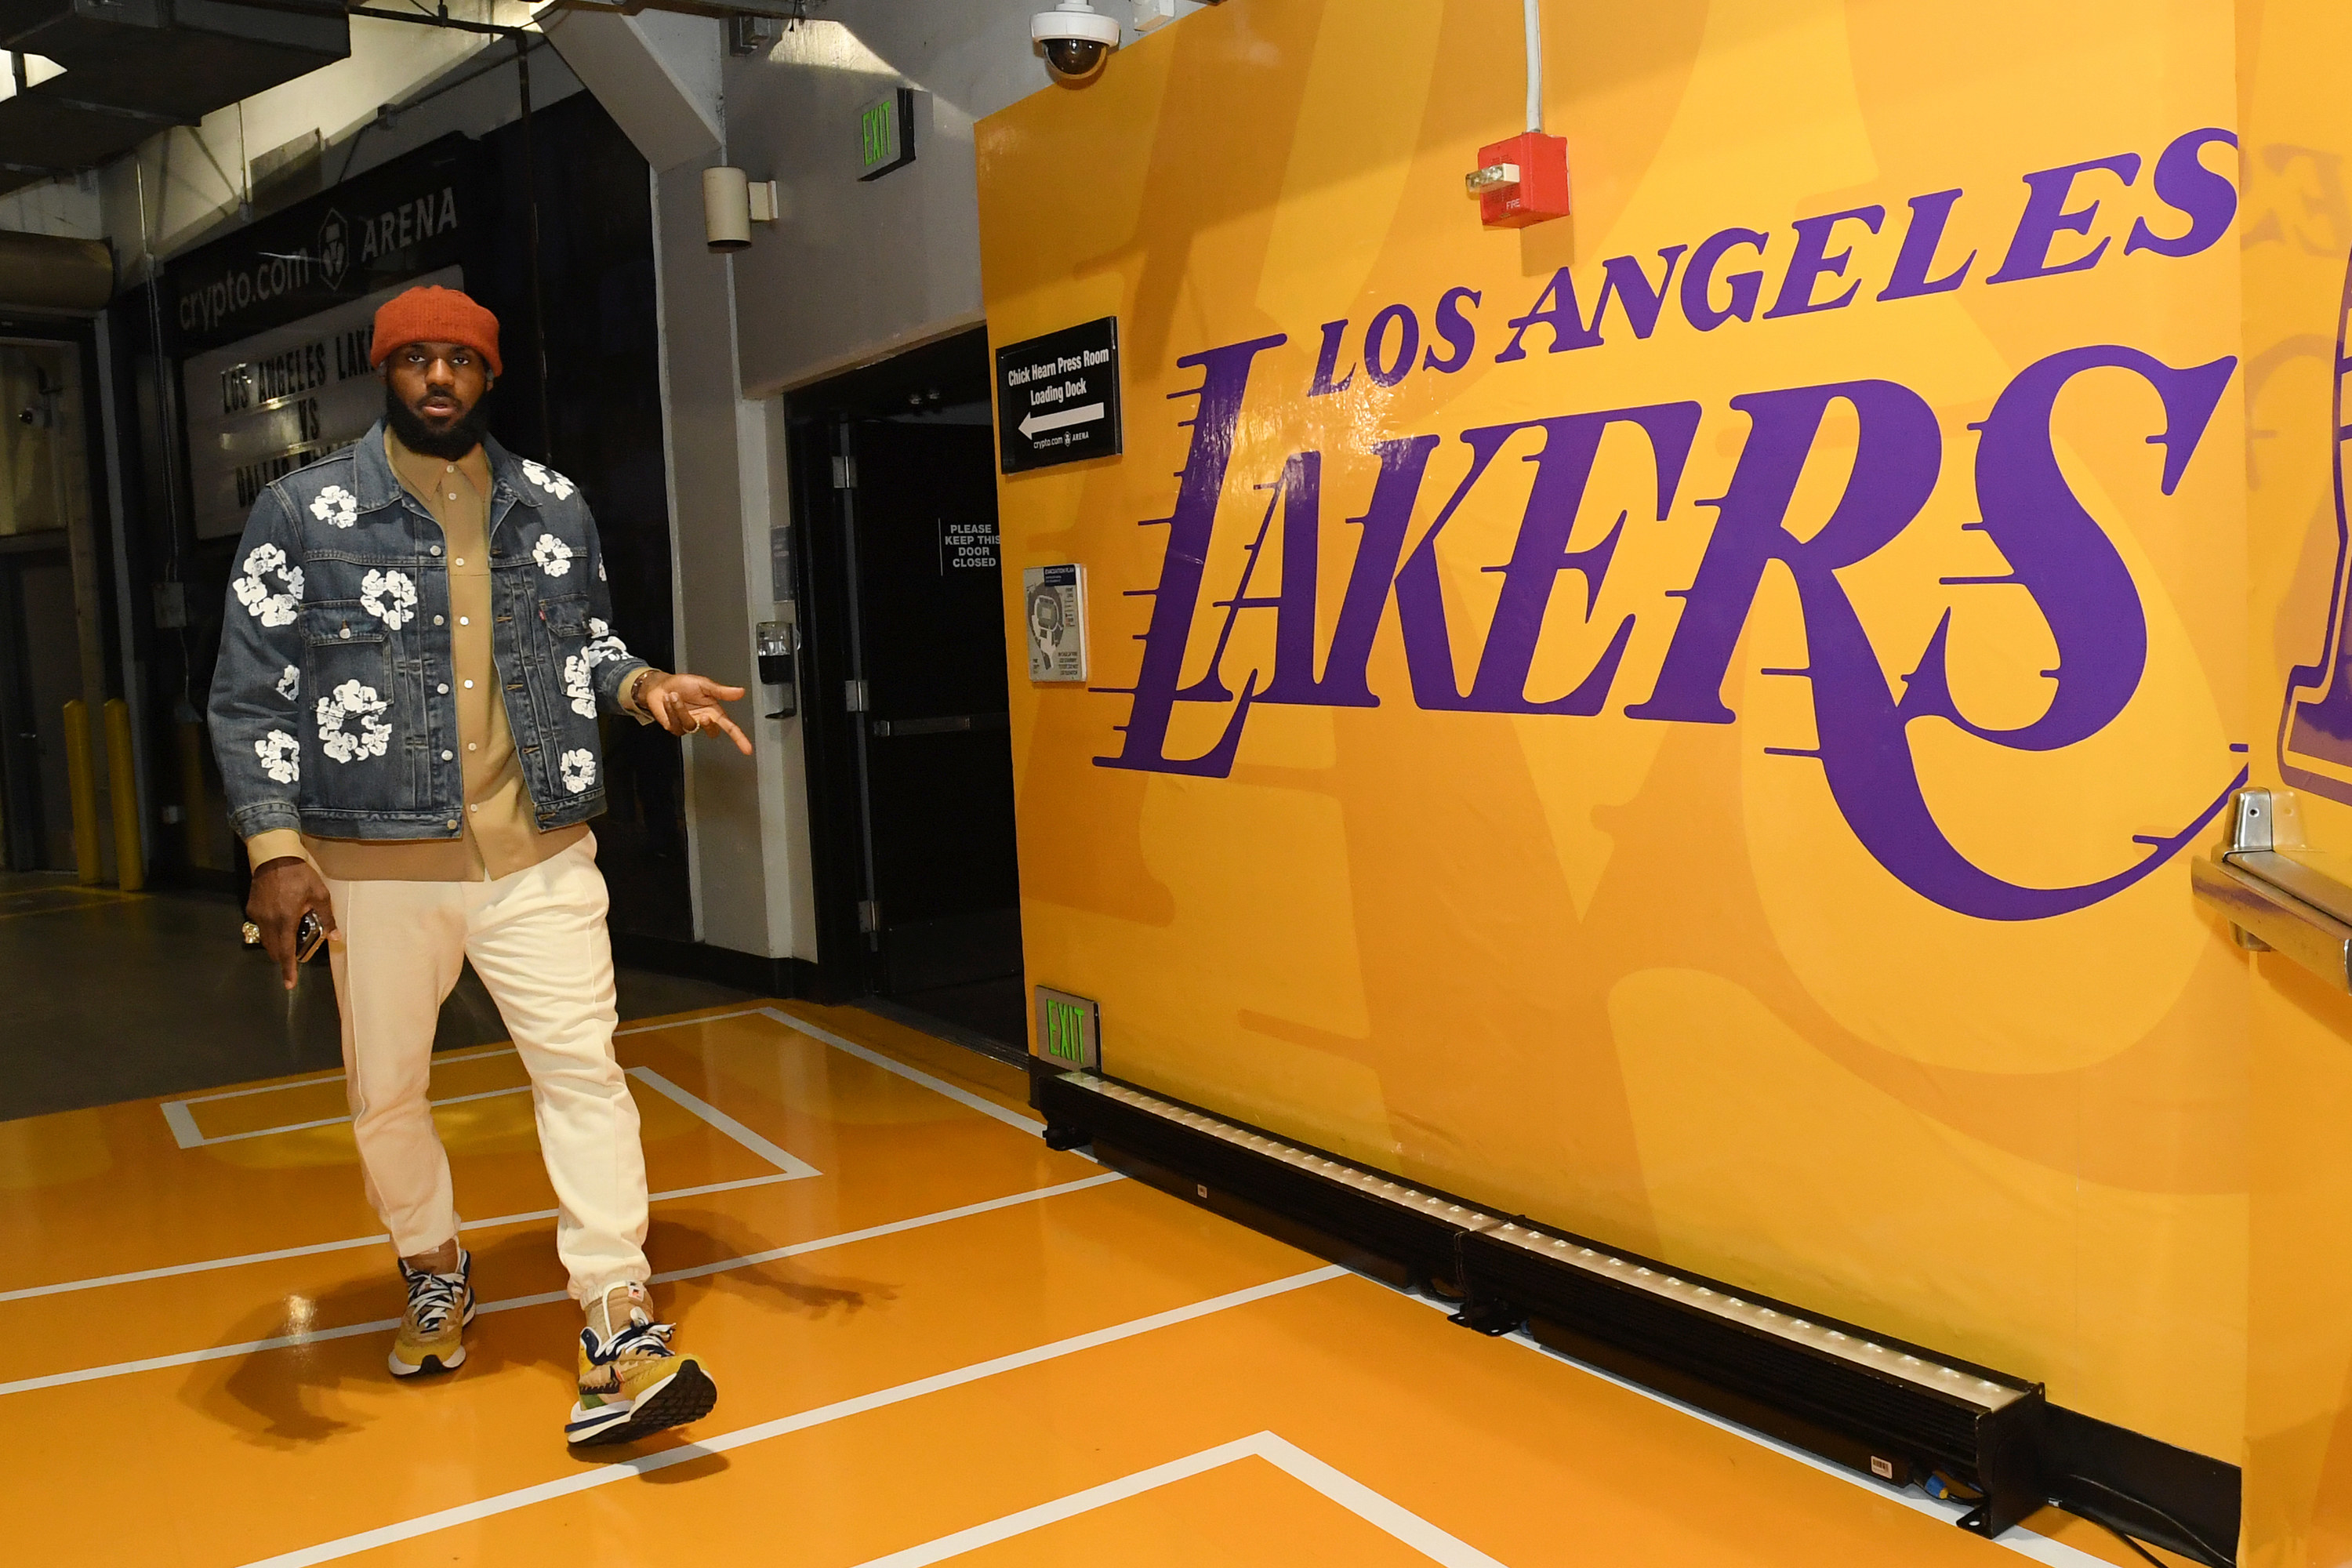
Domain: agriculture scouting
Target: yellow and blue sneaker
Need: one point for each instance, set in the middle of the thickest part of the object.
(631, 1383)
(432, 1336)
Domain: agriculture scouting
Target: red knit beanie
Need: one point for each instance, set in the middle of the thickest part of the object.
(435, 315)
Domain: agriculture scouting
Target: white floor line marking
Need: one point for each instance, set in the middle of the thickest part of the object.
(385, 1325)
(1372, 1507)
(202, 1141)
(709, 1187)
(792, 1165)
(132, 1276)
(645, 1464)
(205, 1265)
(702, 1107)
(893, 1228)
(2017, 1537)
(474, 1053)
(182, 1123)
(789, 1167)
(1381, 1512)
(187, 1135)
(689, 1023)
(912, 1075)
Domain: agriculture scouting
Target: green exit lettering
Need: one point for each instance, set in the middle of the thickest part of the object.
(881, 139)
(1065, 1031)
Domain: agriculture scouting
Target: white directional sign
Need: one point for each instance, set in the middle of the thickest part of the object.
(1058, 397)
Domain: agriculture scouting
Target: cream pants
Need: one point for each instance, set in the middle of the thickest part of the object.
(537, 939)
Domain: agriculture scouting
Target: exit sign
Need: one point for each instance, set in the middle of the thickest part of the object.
(1069, 1031)
(886, 133)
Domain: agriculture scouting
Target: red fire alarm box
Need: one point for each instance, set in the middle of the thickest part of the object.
(1522, 181)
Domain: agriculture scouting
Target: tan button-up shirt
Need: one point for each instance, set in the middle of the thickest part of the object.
(500, 834)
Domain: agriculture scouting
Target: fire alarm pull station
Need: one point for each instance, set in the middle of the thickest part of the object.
(1522, 181)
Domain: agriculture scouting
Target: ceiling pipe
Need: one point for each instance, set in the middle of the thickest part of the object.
(45, 272)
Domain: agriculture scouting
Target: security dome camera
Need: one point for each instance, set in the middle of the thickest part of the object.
(1075, 38)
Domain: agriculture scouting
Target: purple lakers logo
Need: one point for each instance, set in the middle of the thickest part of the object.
(2316, 722)
(1864, 712)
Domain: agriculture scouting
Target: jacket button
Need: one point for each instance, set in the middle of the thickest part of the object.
(451, 823)
(436, 620)
(437, 550)
(443, 689)
(447, 755)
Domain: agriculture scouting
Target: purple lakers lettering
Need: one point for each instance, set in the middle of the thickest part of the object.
(2056, 551)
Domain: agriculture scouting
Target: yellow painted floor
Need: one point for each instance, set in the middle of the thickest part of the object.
(936, 1340)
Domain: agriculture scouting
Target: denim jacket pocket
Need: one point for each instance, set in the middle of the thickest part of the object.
(348, 673)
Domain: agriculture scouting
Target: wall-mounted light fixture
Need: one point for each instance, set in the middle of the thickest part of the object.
(732, 203)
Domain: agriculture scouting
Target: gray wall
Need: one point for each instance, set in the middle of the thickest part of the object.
(747, 817)
(851, 272)
(854, 270)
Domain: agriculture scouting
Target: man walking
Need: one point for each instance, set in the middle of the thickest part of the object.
(416, 647)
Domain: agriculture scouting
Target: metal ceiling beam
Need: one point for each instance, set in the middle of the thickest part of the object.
(116, 111)
(778, 10)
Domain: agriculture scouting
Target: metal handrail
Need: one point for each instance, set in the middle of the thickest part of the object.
(2279, 895)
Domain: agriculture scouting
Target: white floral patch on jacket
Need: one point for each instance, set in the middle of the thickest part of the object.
(390, 598)
(576, 685)
(555, 556)
(282, 756)
(336, 507)
(253, 593)
(579, 770)
(351, 700)
(602, 645)
(547, 478)
(289, 684)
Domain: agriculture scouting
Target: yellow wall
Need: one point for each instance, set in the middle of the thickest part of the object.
(2296, 231)
(1923, 1030)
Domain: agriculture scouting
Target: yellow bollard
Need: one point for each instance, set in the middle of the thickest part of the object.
(195, 822)
(82, 781)
(122, 782)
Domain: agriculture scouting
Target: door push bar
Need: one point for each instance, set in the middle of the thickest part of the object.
(955, 724)
(2279, 895)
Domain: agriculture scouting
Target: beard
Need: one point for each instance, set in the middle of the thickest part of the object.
(449, 443)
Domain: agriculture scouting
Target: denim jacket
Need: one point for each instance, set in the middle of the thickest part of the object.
(330, 704)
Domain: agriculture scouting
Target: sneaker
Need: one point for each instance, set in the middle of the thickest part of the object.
(432, 1332)
(632, 1383)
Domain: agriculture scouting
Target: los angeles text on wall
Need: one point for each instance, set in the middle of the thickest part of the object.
(287, 379)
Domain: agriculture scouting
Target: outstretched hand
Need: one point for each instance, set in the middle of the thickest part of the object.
(683, 704)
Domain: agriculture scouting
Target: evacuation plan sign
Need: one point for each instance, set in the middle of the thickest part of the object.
(1058, 397)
